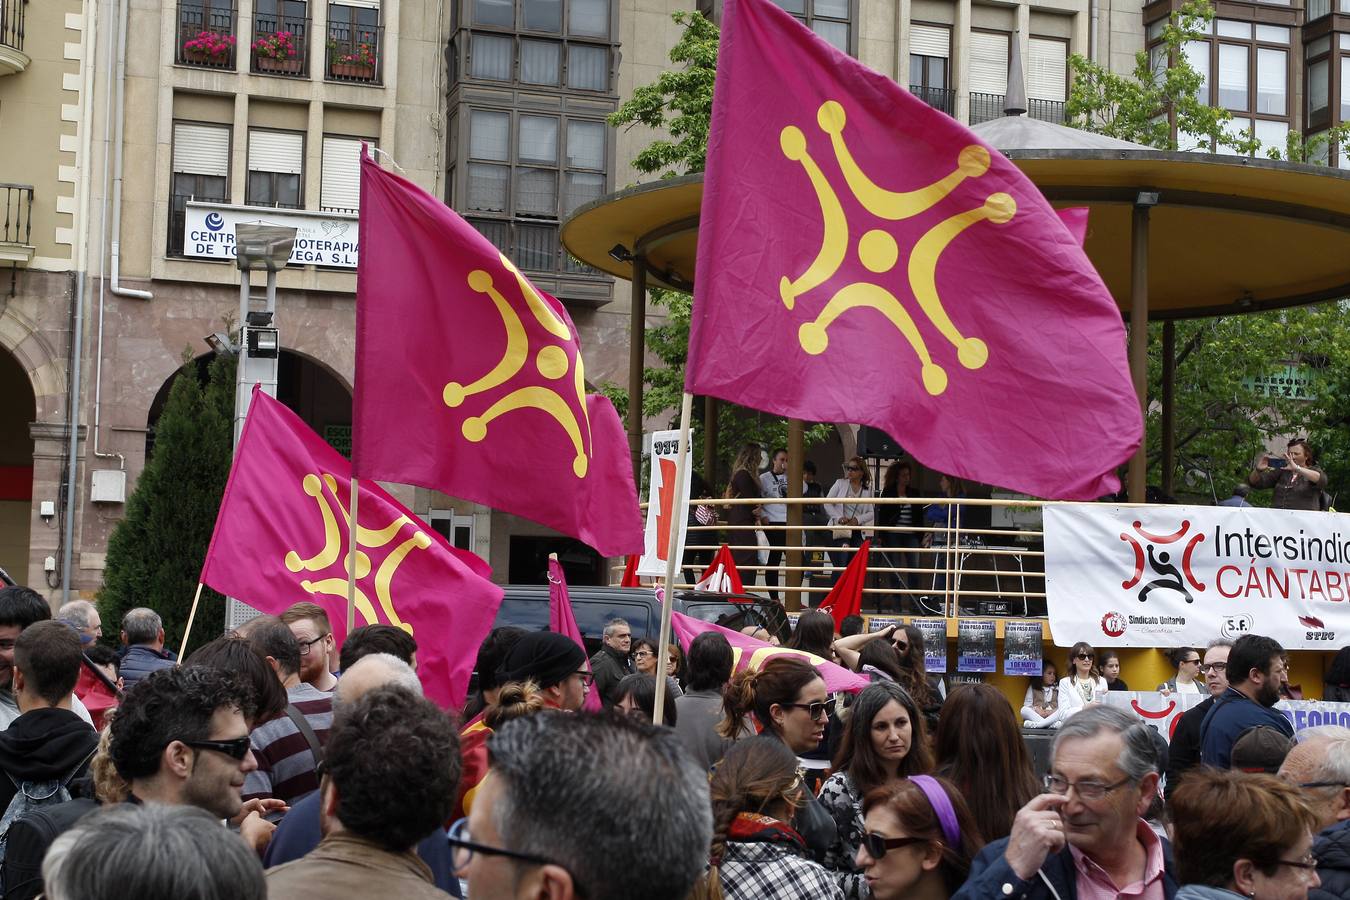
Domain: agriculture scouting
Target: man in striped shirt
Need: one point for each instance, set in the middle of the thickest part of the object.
(289, 747)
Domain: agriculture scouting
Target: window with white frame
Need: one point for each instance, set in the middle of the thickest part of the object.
(456, 528)
(276, 166)
(201, 171)
(340, 178)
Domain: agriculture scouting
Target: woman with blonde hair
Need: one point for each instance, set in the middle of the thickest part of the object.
(744, 484)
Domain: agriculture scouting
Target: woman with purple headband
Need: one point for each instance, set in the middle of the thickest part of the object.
(920, 838)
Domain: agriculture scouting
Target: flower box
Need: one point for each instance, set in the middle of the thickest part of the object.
(354, 71)
(280, 66)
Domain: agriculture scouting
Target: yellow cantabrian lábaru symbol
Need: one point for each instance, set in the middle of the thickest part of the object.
(878, 251)
(551, 361)
(335, 549)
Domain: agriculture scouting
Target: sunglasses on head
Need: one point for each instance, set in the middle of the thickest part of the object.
(876, 845)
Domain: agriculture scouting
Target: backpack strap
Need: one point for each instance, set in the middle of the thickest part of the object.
(308, 731)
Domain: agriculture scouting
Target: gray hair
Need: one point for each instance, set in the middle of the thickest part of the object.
(1219, 642)
(1323, 732)
(151, 851)
(551, 764)
(142, 625)
(1138, 752)
(616, 623)
(398, 674)
(79, 613)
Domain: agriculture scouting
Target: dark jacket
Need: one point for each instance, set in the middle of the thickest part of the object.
(298, 834)
(1332, 849)
(1183, 753)
(139, 661)
(44, 745)
(29, 839)
(991, 878)
(1232, 714)
(609, 666)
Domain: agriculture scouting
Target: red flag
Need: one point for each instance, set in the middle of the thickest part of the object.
(282, 536)
(469, 380)
(630, 575)
(844, 220)
(845, 598)
(722, 574)
(561, 621)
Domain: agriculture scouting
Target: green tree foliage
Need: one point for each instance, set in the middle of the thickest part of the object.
(156, 552)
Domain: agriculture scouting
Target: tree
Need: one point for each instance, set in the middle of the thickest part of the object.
(155, 553)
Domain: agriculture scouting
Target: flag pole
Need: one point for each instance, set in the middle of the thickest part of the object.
(351, 557)
(192, 615)
(677, 515)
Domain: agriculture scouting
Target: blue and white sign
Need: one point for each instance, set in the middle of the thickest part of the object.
(321, 239)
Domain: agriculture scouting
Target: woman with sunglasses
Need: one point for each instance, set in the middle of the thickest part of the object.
(919, 842)
(883, 744)
(847, 516)
(644, 661)
(788, 698)
(757, 853)
(909, 672)
(1084, 685)
(1239, 836)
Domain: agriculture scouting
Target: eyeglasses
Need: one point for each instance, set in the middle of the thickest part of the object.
(464, 848)
(643, 653)
(305, 646)
(814, 710)
(852, 468)
(1323, 784)
(586, 678)
(1195, 661)
(1307, 863)
(1084, 656)
(237, 748)
(1216, 668)
(1087, 790)
(876, 845)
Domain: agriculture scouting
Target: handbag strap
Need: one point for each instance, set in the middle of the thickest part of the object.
(308, 731)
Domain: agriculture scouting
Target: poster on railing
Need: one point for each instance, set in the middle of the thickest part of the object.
(1162, 712)
(1022, 648)
(934, 633)
(976, 646)
(878, 623)
(1172, 576)
(665, 536)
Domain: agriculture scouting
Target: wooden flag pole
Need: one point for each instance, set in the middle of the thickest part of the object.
(679, 514)
(351, 557)
(192, 615)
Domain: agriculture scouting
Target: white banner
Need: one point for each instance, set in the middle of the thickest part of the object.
(323, 239)
(1162, 712)
(661, 541)
(1172, 576)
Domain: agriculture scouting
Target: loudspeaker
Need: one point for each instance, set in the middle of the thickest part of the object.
(875, 442)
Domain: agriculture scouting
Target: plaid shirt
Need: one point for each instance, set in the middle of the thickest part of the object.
(764, 871)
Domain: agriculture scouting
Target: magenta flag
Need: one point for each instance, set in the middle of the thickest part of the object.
(746, 652)
(561, 620)
(865, 258)
(282, 536)
(469, 380)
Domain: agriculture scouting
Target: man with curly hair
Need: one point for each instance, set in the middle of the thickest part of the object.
(390, 770)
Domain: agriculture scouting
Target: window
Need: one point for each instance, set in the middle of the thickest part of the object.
(1047, 69)
(988, 75)
(275, 168)
(452, 526)
(584, 18)
(201, 171)
(1233, 76)
(1345, 85)
(340, 178)
(1272, 67)
(533, 170)
(831, 19)
(1318, 91)
(537, 62)
(930, 47)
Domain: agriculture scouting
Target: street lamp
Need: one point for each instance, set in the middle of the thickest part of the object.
(258, 248)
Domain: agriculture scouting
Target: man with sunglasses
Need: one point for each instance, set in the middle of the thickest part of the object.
(1320, 765)
(1085, 836)
(1183, 753)
(1256, 669)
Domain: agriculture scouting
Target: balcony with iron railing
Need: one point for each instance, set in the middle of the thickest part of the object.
(16, 228)
(12, 58)
(280, 46)
(943, 99)
(984, 107)
(206, 35)
(355, 53)
(1046, 110)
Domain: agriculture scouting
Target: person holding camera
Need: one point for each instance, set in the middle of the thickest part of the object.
(1297, 481)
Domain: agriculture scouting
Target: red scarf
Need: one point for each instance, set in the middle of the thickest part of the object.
(755, 828)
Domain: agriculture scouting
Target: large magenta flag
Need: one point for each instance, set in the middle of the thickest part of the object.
(561, 620)
(281, 537)
(865, 258)
(469, 380)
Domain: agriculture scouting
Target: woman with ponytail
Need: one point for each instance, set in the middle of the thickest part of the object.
(920, 840)
(756, 854)
(787, 697)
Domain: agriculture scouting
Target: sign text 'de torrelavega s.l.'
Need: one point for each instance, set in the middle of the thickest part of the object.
(1167, 576)
(321, 239)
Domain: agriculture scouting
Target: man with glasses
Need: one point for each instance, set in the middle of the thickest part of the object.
(1084, 837)
(309, 623)
(1256, 669)
(585, 806)
(389, 780)
(612, 662)
(1320, 765)
(1183, 753)
(290, 747)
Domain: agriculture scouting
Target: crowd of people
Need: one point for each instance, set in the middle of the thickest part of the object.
(271, 762)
